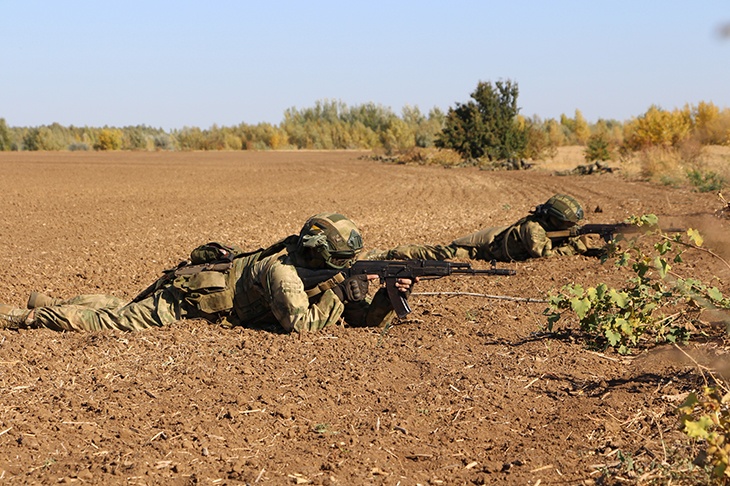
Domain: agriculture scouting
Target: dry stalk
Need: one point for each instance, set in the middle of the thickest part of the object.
(699, 366)
(695, 247)
(487, 296)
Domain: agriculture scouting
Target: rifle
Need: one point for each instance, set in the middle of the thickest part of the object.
(606, 231)
(389, 271)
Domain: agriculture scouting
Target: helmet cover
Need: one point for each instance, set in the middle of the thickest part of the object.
(563, 208)
(334, 237)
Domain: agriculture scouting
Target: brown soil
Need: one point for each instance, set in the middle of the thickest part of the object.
(466, 390)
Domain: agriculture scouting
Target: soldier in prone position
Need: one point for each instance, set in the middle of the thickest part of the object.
(260, 288)
(527, 238)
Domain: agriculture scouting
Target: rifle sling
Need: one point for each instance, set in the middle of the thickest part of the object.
(326, 285)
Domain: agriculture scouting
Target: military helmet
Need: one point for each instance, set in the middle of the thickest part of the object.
(563, 208)
(333, 237)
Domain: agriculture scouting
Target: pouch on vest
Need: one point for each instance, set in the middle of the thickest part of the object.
(207, 291)
(214, 251)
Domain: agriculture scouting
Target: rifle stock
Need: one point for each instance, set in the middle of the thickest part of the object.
(389, 271)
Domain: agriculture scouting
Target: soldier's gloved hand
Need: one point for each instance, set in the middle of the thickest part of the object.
(574, 230)
(353, 289)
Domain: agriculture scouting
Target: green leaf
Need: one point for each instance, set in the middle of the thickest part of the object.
(621, 299)
(662, 265)
(625, 326)
(556, 300)
(552, 319)
(689, 403)
(580, 306)
(623, 259)
(613, 337)
(577, 290)
(663, 246)
(591, 293)
(698, 428)
(715, 294)
(649, 220)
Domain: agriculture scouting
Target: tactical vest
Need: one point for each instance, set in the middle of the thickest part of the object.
(206, 282)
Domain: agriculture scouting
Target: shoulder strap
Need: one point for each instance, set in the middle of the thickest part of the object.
(220, 266)
(273, 249)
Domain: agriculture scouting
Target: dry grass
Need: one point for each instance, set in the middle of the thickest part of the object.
(668, 167)
(566, 158)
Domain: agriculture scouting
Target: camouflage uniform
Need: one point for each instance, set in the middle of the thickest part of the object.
(260, 288)
(95, 312)
(527, 238)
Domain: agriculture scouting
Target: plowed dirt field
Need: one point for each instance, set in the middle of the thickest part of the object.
(466, 390)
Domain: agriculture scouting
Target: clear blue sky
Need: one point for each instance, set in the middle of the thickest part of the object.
(181, 63)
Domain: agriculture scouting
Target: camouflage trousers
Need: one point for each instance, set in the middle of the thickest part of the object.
(95, 312)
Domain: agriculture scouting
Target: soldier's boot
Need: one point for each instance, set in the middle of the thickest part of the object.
(13, 317)
(38, 299)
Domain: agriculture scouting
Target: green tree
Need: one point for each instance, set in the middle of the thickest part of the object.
(486, 126)
(44, 138)
(597, 148)
(4, 135)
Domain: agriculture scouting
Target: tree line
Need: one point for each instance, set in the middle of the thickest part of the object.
(488, 126)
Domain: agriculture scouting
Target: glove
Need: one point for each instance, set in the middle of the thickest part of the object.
(352, 289)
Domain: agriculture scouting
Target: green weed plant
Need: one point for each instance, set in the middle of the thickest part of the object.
(705, 181)
(657, 304)
(707, 417)
(652, 305)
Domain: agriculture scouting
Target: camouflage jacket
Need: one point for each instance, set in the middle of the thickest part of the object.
(525, 239)
(269, 291)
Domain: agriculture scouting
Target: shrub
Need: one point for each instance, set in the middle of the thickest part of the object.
(430, 156)
(77, 146)
(597, 148)
(705, 181)
(108, 139)
(163, 142)
(649, 305)
(232, 142)
(711, 126)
